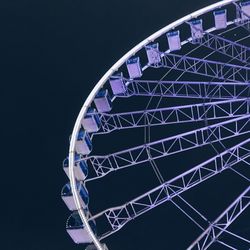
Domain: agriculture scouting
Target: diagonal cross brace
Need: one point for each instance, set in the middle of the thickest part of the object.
(168, 146)
(119, 216)
(215, 229)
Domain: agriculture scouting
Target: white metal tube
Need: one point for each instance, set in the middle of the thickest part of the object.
(100, 84)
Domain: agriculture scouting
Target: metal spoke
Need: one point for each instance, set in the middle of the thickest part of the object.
(188, 89)
(224, 71)
(168, 146)
(213, 73)
(189, 216)
(161, 181)
(179, 114)
(226, 245)
(119, 216)
(226, 47)
(224, 220)
(233, 234)
(240, 174)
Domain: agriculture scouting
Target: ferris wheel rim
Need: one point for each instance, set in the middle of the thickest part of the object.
(100, 84)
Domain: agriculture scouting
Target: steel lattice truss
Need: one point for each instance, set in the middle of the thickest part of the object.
(179, 114)
(219, 91)
(223, 221)
(119, 216)
(169, 146)
(181, 89)
(226, 47)
(223, 71)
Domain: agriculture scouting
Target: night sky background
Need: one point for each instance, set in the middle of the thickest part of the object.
(52, 54)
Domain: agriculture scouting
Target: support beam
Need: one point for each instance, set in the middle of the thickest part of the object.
(214, 69)
(245, 24)
(234, 235)
(226, 47)
(168, 146)
(188, 89)
(230, 108)
(119, 216)
(212, 233)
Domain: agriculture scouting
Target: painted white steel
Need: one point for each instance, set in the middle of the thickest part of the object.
(100, 84)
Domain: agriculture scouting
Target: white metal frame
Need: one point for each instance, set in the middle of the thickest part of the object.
(100, 84)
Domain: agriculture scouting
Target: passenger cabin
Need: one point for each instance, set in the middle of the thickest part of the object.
(83, 143)
(117, 84)
(80, 168)
(245, 10)
(91, 121)
(153, 53)
(102, 101)
(93, 247)
(76, 229)
(68, 199)
(196, 29)
(134, 67)
(220, 19)
(174, 41)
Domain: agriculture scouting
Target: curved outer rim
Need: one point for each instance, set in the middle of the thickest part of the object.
(100, 84)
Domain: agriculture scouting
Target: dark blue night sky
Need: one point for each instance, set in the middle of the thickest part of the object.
(52, 54)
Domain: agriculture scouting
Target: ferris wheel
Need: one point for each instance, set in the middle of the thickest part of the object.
(176, 106)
